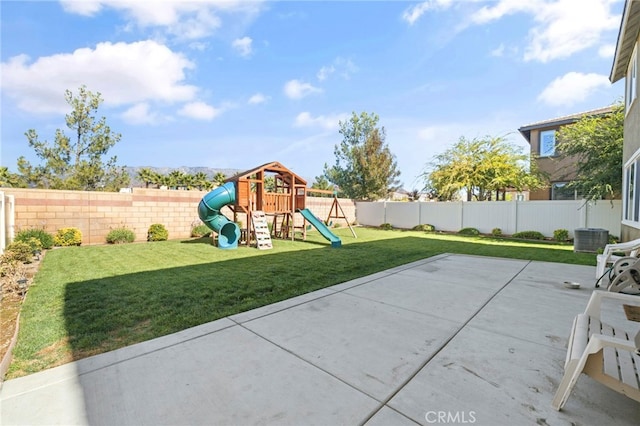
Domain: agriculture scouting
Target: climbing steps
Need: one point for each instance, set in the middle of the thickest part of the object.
(261, 230)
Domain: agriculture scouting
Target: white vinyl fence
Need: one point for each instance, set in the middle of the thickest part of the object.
(509, 216)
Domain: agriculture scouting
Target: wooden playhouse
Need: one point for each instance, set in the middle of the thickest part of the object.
(278, 200)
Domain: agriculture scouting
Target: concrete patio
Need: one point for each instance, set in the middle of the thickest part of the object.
(450, 339)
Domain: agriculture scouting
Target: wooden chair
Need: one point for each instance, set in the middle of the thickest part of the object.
(609, 355)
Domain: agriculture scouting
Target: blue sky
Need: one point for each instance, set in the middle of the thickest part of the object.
(235, 84)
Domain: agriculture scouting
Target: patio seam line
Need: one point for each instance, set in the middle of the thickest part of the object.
(442, 346)
(120, 361)
(398, 412)
(306, 361)
(406, 266)
(489, 298)
(239, 322)
(425, 260)
(410, 310)
(295, 305)
(518, 338)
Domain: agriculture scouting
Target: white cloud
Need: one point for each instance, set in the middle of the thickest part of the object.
(258, 98)
(498, 51)
(340, 66)
(84, 8)
(198, 46)
(413, 13)
(243, 46)
(572, 88)
(140, 114)
(304, 119)
(296, 89)
(123, 73)
(184, 19)
(607, 51)
(563, 27)
(503, 8)
(325, 72)
(199, 111)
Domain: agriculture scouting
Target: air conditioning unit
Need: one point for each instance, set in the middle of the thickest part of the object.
(590, 239)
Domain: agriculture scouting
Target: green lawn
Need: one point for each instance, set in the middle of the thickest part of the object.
(89, 300)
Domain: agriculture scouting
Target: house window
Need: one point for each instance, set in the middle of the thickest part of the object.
(559, 191)
(547, 143)
(631, 208)
(632, 79)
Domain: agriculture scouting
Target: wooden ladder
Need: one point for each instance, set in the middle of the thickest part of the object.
(261, 230)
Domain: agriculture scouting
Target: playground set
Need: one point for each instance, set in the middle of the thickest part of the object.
(246, 194)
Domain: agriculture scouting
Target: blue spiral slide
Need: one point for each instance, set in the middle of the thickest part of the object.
(209, 212)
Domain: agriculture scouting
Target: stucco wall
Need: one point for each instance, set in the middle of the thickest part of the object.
(558, 168)
(631, 145)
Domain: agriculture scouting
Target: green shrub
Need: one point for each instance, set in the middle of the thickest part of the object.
(613, 239)
(121, 236)
(45, 238)
(67, 237)
(13, 272)
(561, 235)
(424, 227)
(157, 232)
(529, 235)
(35, 244)
(496, 232)
(18, 251)
(200, 231)
(386, 226)
(469, 231)
(8, 265)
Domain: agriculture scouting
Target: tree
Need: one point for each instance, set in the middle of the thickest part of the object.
(177, 179)
(365, 168)
(322, 183)
(202, 182)
(166, 181)
(479, 168)
(10, 180)
(270, 184)
(189, 181)
(218, 179)
(596, 144)
(147, 176)
(76, 162)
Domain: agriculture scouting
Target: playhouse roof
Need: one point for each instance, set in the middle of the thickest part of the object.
(272, 167)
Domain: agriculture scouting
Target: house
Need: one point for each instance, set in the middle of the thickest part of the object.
(560, 169)
(399, 195)
(625, 66)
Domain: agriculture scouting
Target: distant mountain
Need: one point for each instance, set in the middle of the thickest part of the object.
(209, 171)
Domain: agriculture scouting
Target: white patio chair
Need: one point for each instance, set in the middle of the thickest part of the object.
(609, 355)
